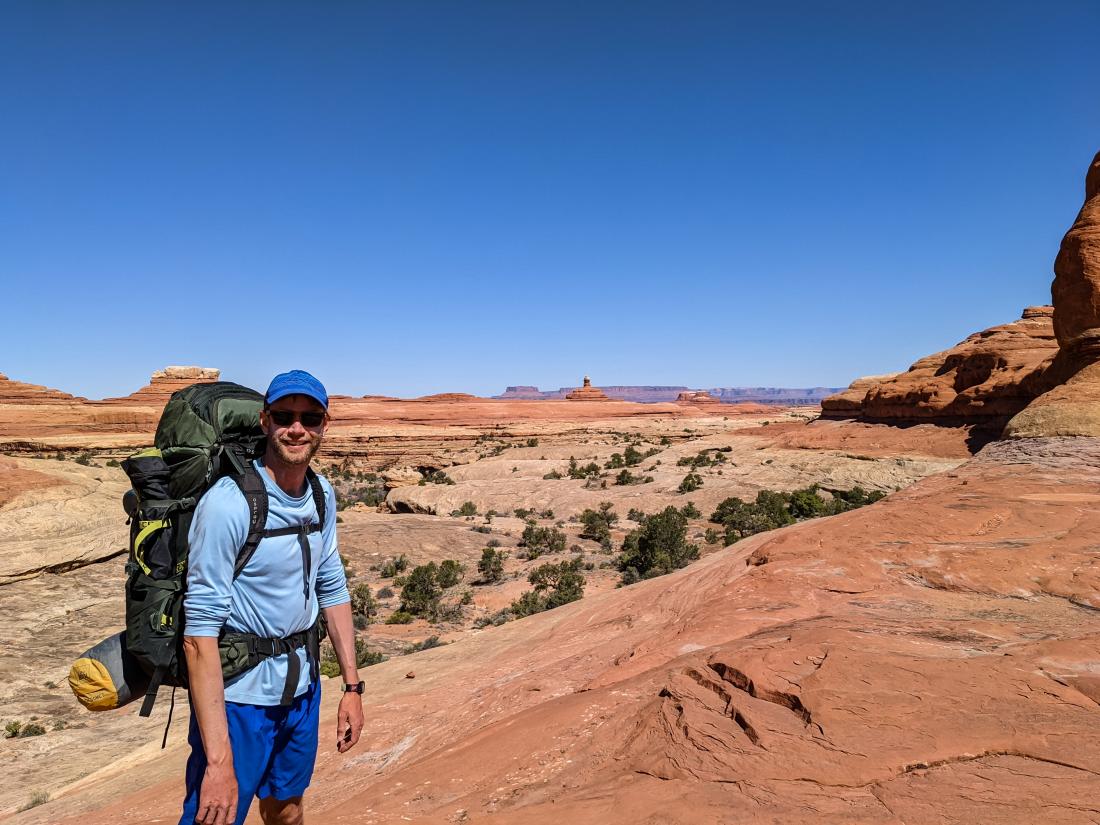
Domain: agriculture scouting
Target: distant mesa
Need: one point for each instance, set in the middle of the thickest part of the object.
(696, 397)
(16, 392)
(164, 382)
(444, 397)
(645, 394)
(587, 392)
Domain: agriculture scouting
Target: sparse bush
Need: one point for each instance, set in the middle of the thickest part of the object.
(711, 536)
(532, 442)
(364, 657)
(467, 509)
(398, 564)
(554, 585)
(552, 475)
(539, 540)
(491, 566)
(426, 644)
(437, 477)
(422, 591)
(691, 483)
(37, 798)
(400, 617)
(12, 728)
(363, 604)
(690, 511)
(32, 729)
(385, 593)
(481, 528)
(450, 573)
(632, 457)
(598, 523)
(657, 547)
(634, 514)
(113, 463)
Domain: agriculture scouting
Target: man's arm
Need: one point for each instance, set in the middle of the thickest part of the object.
(217, 531)
(218, 794)
(349, 717)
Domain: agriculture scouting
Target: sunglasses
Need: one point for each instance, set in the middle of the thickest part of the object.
(284, 418)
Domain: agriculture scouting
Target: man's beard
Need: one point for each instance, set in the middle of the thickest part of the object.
(296, 459)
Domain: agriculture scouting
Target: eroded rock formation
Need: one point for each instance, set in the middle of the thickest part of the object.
(984, 380)
(1071, 403)
(587, 393)
(17, 392)
(696, 397)
(164, 382)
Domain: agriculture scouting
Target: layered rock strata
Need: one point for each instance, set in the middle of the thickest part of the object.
(1070, 404)
(17, 392)
(983, 380)
(587, 393)
(164, 382)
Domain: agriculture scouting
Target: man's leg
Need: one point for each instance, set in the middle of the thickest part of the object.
(292, 759)
(251, 736)
(282, 811)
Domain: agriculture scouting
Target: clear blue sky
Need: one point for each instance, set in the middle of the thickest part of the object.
(409, 197)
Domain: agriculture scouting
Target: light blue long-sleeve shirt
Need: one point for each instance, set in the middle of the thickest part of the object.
(267, 598)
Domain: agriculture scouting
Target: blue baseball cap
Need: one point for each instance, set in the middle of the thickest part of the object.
(296, 382)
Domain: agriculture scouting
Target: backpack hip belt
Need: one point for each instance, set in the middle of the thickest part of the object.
(243, 651)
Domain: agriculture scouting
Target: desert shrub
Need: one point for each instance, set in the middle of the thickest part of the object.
(657, 547)
(554, 585)
(691, 483)
(437, 477)
(625, 477)
(32, 729)
(532, 442)
(467, 509)
(523, 513)
(546, 514)
(632, 457)
(364, 657)
(711, 536)
(363, 604)
(12, 728)
(806, 503)
(491, 565)
(493, 543)
(450, 573)
(615, 462)
(113, 463)
(398, 564)
(60, 456)
(665, 441)
(422, 591)
(634, 514)
(426, 644)
(552, 475)
(385, 593)
(690, 511)
(84, 458)
(598, 523)
(347, 566)
(539, 540)
(400, 617)
(37, 798)
(481, 528)
(578, 472)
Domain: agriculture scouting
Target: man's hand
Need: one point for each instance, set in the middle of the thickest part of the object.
(349, 721)
(218, 796)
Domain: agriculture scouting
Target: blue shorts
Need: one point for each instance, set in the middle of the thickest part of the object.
(274, 749)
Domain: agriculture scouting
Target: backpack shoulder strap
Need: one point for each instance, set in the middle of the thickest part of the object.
(255, 494)
(318, 495)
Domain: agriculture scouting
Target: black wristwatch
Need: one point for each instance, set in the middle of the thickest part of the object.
(353, 688)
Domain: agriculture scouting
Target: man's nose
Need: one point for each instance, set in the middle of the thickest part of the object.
(296, 427)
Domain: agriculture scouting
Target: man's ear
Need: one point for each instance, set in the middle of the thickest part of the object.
(263, 418)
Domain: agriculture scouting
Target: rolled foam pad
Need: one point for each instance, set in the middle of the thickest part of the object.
(106, 676)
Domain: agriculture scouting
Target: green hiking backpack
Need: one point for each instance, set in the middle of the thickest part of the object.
(206, 432)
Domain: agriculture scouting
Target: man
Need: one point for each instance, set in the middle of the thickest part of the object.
(255, 734)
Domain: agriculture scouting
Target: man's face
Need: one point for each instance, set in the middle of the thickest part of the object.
(293, 442)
